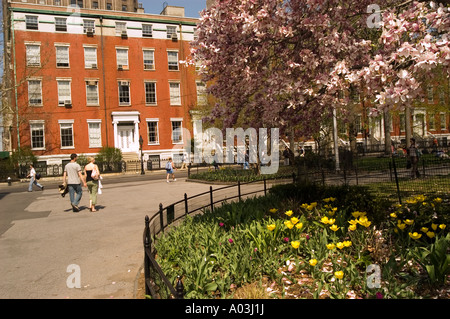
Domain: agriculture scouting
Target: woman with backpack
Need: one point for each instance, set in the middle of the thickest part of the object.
(33, 179)
(170, 170)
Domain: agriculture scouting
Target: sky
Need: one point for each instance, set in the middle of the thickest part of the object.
(191, 7)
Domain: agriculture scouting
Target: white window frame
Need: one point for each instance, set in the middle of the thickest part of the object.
(28, 23)
(152, 120)
(172, 121)
(88, 59)
(122, 60)
(60, 19)
(34, 93)
(120, 27)
(63, 98)
(443, 121)
(171, 29)
(175, 99)
(152, 65)
(431, 122)
(86, 26)
(59, 46)
(121, 83)
(170, 62)
(147, 34)
(37, 125)
(145, 92)
(92, 82)
(67, 123)
(93, 134)
(33, 58)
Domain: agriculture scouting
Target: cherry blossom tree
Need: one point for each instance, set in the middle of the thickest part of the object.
(285, 63)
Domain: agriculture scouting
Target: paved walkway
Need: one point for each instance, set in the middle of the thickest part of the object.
(44, 237)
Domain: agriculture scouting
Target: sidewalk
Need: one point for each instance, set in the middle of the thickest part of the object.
(35, 252)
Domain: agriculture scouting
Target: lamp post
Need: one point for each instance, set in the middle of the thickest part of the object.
(141, 141)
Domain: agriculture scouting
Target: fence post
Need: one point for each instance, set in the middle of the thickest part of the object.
(396, 180)
(147, 242)
(293, 178)
(189, 170)
(265, 187)
(186, 210)
(390, 171)
(423, 167)
(211, 198)
(161, 218)
(179, 288)
(239, 190)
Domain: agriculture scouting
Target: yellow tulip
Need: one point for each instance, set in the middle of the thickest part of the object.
(299, 225)
(434, 226)
(329, 199)
(313, 262)
(324, 220)
(431, 234)
(409, 221)
(271, 227)
(356, 214)
(273, 210)
(401, 226)
(340, 245)
(288, 224)
(393, 215)
(347, 243)
(331, 246)
(353, 222)
(437, 200)
(295, 244)
(289, 213)
(331, 221)
(352, 227)
(334, 228)
(442, 226)
(424, 229)
(415, 235)
(294, 220)
(339, 274)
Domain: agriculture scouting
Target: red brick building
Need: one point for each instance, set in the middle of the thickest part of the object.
(89, 78)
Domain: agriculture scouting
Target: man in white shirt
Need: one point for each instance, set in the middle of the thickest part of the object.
(33, 180)
(72, 171)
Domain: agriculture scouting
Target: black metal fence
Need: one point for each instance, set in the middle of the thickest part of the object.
(156, 283)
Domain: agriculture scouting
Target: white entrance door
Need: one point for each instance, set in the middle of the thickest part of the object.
(126, 138)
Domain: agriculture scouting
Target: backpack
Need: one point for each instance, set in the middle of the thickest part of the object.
(38, 176)
(168, 166)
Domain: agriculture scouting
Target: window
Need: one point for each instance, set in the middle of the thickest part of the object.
(90, 57)
(88, 25)
(31, 22)
(109, 6)
(172, 57)
(430, 95)
(443, 120)
(33, 54)
(402, 122)
(174, 89)
(149, 59)
(124, 7)
(150, 93)
(37, 135)
(122, 58)
(152, 126)
(64, 96)
(94, 4)
(95, 133)
(171, 30)
(432, 121)
(35, 92)
(147, 30)
(177, 132)
(201, 93)
(121, 27)
(124, 93)
(195, 34)
(441, 97)
(66, 131)
(92, 92)
(61, 24)
(57, 2)
(62, 56)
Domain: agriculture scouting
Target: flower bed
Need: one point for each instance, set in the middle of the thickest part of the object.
(324, 247)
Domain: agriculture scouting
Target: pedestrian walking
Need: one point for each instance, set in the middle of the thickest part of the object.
(184, 160)
(92, 174)
(73, 178)
(170, 170)
(413, 157)
(33, 179)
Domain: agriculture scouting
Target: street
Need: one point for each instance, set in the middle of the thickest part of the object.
(42, 240)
